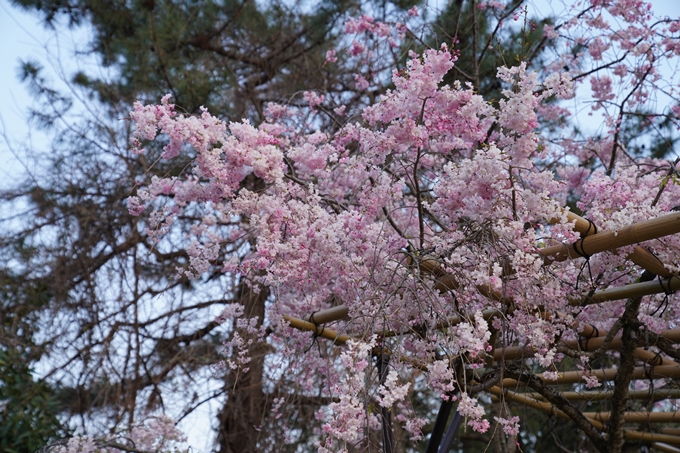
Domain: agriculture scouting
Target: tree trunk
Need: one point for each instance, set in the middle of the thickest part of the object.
(242, 415)
(500, 443)
(629, 342)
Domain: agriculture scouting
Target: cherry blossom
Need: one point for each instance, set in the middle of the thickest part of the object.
(434, 206)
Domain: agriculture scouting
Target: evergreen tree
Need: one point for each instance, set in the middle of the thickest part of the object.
(28, 409)
(91, 291)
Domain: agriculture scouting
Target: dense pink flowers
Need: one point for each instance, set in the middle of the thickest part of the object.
(431, 172)
(157, 434)
(510, 426)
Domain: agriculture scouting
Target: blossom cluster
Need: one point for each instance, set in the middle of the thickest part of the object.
(431, 172)
(158, 435)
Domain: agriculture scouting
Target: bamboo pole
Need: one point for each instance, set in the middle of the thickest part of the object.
(522, 398)
(672, 335)
(632, 290)
(652, 358)
(650, 437)
(328, 315)
(645, 355)
(591, 344)
(650, 229)
(640, 256)
(628, 291)
(655, 395)
(581, 225)
(452, 321)
(446, 282)
(330, 334)
(608, 374)
(637, 417)
(550, 409)
(340, 339)
(665, 447)
(611, 240)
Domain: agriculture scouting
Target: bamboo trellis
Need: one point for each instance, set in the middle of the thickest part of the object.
(652, 394)
(590, 243)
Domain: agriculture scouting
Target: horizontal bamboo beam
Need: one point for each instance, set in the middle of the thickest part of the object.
(611, 240)
(330, 334)
(623, 292)
(608, 374)
(650, 437)
(628, 291)
(452, 321)
(672, 335)
(550, 409)
(531, 402)
(445, 282)
(645, 355)
(591, 344)
(665, 448)
(640, 256)
(639, 232)
(632, 290)
(652, 358)
(328, 315)
(340, 312)
(637, 417)
(655, 395)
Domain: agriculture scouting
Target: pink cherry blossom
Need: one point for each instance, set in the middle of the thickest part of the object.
(470, 188)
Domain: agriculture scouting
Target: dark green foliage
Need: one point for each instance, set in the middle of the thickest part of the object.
(229, 56)
(28, 409)
(482, 47)
(649, 135)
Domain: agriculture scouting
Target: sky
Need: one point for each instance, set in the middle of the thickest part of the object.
(22, 37)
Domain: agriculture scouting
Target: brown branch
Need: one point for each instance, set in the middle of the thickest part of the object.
(620, 119)
(561, 403)
(665, 180)
(664, 344)
(629, 342)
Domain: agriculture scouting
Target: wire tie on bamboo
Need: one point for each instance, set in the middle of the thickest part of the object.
(657, 360)
(668, 291)
(582, 252)
(649, 370)
(315, 341)
(316, 334)
(593, 334)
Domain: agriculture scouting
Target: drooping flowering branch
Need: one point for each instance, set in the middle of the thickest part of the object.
(436, 172)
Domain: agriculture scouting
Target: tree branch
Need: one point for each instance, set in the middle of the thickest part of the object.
(561, 403)
(619, 399)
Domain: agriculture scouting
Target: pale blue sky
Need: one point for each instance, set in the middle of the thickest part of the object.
(22, 37)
